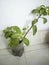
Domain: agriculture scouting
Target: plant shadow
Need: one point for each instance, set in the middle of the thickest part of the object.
(47, 38)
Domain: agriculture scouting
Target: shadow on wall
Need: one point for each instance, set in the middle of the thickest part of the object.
(47, 37)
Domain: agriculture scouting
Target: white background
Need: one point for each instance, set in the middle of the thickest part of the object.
(17, 12)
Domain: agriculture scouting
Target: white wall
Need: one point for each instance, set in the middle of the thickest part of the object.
(17, 12)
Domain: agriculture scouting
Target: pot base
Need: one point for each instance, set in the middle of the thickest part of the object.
(19, 50)
(18, 53)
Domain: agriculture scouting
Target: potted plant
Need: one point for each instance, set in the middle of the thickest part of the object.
(17, 37)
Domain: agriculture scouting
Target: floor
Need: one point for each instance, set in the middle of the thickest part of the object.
(33, 55)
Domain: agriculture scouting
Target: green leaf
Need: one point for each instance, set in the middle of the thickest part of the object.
(23, 33)
(11, 30)
(15, 35)
(26, 41)
(8, 34)
(34, 29)
(24, 28)
(13, 42)
(47, 8)
(42, 6)
(48, 12)
(7, 29)
(44, 20)
(43, 11)
(34, 21)
(15, 29)
(35, 11)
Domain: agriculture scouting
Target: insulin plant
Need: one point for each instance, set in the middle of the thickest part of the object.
(17, 36)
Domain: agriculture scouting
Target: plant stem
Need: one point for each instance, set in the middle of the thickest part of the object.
(29, 28)
(28, 31)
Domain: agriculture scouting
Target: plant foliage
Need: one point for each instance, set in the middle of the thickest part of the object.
(16, 34)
